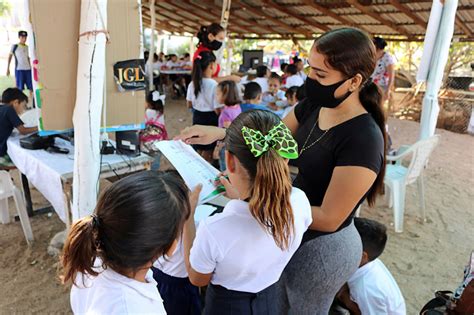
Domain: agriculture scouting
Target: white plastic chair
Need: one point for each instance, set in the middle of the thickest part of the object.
(7, 190)
(397, 177)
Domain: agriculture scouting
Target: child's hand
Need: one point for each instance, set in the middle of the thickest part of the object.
(230, 191)
(194, 199)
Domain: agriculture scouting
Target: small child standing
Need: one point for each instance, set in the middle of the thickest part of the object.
(155, 129)
(107, 256)
(372, 288)
(201, 97)
(274, 97)
(227, 94)
(252, 97)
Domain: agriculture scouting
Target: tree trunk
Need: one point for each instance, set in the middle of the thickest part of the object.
(87, 112)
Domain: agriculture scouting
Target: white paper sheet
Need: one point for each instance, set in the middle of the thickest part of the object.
(192, 168)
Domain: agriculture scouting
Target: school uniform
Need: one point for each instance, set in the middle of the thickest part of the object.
(180, 297)
(22, 66)
(303, 75)
(243, 257)
(375, 290)
(294, 80)
(203, 107)
(113, 293)
(279, 99)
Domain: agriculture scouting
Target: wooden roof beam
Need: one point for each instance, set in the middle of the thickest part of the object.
(376, 16)
(408, 12)
(232, 18)
(463, 26)
(164, 26)
(333, 15)
(202, 17)
(165, 13)
(217, 16)
(258, 12)
(295, 15)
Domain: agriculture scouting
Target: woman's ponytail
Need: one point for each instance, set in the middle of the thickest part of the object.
(371, 98)
(80, 250)
(270, 200)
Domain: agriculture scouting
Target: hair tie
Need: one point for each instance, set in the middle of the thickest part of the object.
(199, 57)
(279, 138)
(95, 221)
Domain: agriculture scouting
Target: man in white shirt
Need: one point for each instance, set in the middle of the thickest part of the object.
(372, 290)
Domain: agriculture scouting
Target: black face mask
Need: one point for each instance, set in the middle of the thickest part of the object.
(323, 95)
(214, 45)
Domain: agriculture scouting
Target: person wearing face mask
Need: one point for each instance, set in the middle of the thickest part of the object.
(340, 131)
(211, 38)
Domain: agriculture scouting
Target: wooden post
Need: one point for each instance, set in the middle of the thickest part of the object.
(152, 46)
(89, 99)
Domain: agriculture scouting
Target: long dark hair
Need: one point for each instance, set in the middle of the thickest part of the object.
(230, 93)
(204, 31)
(358, 59)
(136, 220)
(200, 64)
(269, 176)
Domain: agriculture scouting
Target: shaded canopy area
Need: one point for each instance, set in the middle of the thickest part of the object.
(403, 20)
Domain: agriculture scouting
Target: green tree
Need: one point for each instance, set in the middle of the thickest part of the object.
(5, 7)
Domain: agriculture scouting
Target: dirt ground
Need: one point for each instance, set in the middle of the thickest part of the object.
(425, 258)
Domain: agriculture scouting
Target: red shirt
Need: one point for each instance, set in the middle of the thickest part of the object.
(202, 48)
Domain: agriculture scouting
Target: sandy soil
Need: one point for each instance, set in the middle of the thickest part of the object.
(425, 258)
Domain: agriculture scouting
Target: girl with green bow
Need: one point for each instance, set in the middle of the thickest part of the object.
(242, 251)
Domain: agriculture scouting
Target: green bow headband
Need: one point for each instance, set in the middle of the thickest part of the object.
(279, 138)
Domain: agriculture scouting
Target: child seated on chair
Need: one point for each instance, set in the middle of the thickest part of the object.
(252, 97)
(372, 288)
(274, 98)
(12, 105)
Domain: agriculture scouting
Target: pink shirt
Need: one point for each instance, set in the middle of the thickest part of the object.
(228, 114)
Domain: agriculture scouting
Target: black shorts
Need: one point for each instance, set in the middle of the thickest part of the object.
(206, 119)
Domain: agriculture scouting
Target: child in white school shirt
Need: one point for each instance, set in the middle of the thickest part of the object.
(372, 290)
(241, 252)
(107, 256)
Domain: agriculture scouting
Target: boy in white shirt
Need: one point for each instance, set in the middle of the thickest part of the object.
(372, 290)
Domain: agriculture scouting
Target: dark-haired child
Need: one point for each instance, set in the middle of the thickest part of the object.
(107, 256)
(274, 98)
(241, 252)
(294, 95)
(293, 78)
(201, 97)
(13, 104)
(227, 94)
(252, 97)
(372, 288)
(155, 129)
(263, 73)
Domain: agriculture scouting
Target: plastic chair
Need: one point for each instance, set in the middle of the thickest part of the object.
(7, 190)
(397, 177)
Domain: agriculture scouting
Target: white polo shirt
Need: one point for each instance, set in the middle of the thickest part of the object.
(263, 82)
(113, 293)
(294, 80)
(206, 100)
(375, 290)
(173, 265)
(239, 252)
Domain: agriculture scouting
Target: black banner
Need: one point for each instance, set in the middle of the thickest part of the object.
(130, 75)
